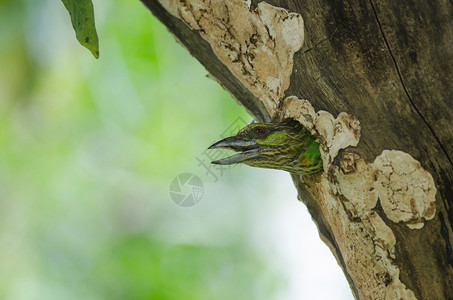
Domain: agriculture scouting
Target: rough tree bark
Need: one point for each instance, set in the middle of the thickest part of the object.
(384, 203)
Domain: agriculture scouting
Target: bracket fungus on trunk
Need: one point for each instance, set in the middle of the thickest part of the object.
(257, 45)
(349, 190)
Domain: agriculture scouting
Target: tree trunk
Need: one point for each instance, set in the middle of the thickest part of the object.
(384, 203)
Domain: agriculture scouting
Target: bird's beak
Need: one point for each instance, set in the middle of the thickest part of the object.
(247, 149)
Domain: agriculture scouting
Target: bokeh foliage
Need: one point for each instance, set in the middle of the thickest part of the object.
(87, 151)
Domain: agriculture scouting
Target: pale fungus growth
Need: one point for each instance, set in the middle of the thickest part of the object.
(257, 45)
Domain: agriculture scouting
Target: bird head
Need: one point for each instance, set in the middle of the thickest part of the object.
(286, 146)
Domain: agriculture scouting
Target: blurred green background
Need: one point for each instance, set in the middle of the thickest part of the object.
(88, 149)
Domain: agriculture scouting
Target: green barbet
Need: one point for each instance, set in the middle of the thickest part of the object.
(286, 146)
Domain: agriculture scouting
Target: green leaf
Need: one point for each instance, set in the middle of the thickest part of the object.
(82, 18)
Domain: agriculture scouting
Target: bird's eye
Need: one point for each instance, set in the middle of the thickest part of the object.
(259, 130)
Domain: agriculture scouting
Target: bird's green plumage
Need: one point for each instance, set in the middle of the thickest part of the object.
(286, 146)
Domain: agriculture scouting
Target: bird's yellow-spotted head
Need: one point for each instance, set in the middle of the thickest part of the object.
(286, 146)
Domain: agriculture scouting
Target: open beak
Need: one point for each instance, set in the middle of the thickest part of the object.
(247, 149)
